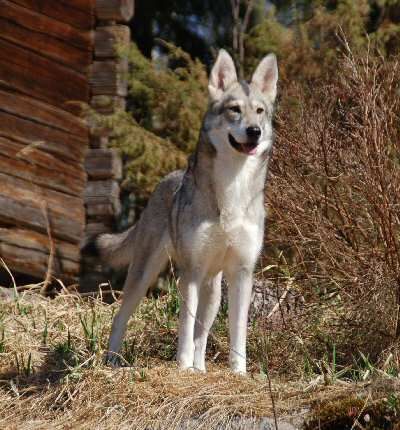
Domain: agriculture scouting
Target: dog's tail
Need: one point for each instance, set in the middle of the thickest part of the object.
(114, 249)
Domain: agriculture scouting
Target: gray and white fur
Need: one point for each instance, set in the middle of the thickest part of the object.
(208, 219)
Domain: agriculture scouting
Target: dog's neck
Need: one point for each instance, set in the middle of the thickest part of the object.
(214, 172)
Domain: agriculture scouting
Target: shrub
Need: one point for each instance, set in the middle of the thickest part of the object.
(334, 204)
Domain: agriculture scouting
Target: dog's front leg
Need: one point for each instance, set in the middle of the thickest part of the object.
(239, 297)
(189, 288)
(209, 302)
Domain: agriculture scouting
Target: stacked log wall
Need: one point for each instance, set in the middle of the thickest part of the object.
(46, 55)
(103, 164)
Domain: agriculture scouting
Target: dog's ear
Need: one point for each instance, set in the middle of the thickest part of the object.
(223, 74)
(265, 77)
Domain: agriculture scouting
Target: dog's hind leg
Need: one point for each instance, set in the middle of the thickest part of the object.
(209, 301)
(142, 274)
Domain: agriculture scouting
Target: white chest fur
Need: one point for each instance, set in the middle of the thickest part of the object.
(236, 188)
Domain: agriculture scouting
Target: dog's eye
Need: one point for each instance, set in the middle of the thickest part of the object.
(260, 111)
(235, 109)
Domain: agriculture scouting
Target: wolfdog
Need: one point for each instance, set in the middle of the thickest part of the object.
(208, 219)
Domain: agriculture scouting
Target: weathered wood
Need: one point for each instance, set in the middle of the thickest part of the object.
(25, 151)
(33, 240)
(46, 48)
(108, 104)
(45, 35)
(103, 164)
(100, 211)
(100, 193)
(46, 177)
(78, 13)
(35, 263)
(28, 192)
(108, 189)
(109, 38)
(41, 77)
(114, 10)
(44, 138)
(22, 202)
(29, 215)
(43, 113)
(101, 142)
(37, 22)
(95, 228)
(109, 78)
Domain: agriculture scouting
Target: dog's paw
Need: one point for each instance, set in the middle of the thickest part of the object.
(189, 369)
(237, 362)
(112, 359)
(239, 371)
(199, 366)
(238, 368)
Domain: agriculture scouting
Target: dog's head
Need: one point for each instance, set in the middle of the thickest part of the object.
(240, 114)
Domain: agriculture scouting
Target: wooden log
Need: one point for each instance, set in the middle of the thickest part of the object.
(38, 22)
(19, 149)
(96, 141)
(41, 78)
(109, 38)
(99, 190)
(46, 36)
(29, 215)
(36, 241)
(86, 6)
(109, 77)
(78, 13)
(31, 193)
(99, 195)
(108, 104)
(42, 176)
(43, 113)
(100, 211)
(95, 228)
(47, 139)
(103, 164)
(35, 263)
(114, 10)
(22, 202)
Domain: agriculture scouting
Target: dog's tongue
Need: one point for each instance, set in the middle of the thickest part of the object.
(251, 150)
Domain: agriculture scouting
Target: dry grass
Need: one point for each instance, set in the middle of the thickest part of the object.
(51, 374)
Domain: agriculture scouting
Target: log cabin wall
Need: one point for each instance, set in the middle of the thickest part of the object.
(58, 176)
(103, 164)
(46, 53)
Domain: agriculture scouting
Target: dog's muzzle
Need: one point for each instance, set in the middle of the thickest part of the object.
(249, 147)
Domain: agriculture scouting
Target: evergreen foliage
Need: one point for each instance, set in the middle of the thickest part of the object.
(161, 126)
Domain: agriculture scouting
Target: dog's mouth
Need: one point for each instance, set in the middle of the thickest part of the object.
(249, 148)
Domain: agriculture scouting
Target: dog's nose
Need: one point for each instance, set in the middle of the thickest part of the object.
(253, 132)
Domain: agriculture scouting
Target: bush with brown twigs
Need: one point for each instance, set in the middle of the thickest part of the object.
(334, 207)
